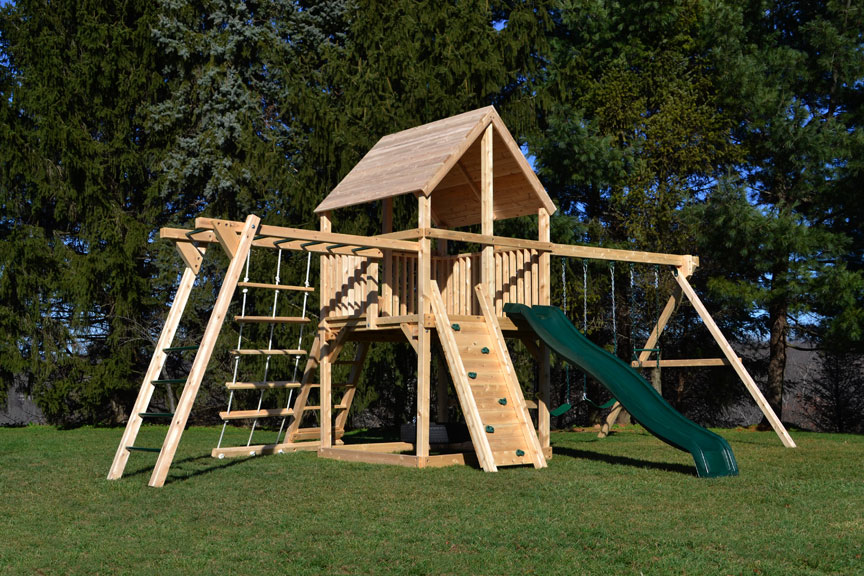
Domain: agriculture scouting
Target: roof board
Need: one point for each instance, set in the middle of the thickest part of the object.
(444, 155)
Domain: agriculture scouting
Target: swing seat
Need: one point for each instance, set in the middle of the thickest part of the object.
(562, 409)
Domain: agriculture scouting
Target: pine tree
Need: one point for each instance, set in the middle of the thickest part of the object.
(791, 76)
(77, 203)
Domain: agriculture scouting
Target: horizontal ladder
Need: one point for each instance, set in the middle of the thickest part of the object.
(271, 320)
(275, 286)
(264, 413)
(275, 384)
(264, 352)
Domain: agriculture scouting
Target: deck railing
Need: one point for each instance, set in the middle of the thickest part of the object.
(356, 289)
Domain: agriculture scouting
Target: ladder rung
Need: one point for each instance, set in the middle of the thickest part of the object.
(142, 449)
(266, 413)
(271, 319)
(263, 352)
(179, 348)
(170, 381)
(275, 286)
(155, 414)
(262, 385)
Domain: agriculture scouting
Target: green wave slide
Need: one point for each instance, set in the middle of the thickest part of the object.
(711, 453)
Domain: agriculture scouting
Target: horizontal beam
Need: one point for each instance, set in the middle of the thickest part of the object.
(567, 250)
(351, 240)
(683, 363)
(354, 455)
(411, 234)
(264, 449)
(180, 235)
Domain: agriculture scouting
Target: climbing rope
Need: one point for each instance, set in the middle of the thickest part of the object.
(299, 345)
(614, 310)
(269, 342)
(585, 397)
(239, 344)
(566, 365)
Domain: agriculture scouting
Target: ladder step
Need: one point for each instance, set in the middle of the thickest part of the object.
(275, 286)
(263, 352)
(271, 320)
(262, 385)
(179, 348)
(155, 414)
(170, 381)
(266, 413)
(142, 449)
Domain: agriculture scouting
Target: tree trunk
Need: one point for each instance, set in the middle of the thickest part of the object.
(779, 324)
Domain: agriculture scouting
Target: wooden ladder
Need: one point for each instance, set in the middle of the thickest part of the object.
(486, 384)
(237, 245)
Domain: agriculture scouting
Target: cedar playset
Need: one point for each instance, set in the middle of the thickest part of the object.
(416, 286)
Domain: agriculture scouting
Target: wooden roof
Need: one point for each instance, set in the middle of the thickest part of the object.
(444, 157)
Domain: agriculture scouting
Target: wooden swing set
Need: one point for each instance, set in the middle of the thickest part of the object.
(406, 285)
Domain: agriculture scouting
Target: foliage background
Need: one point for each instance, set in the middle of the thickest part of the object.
(727, 129)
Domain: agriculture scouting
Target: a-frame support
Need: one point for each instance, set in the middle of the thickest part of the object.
(733, 359)
(238, 248)
(685, 289)
(157, 362)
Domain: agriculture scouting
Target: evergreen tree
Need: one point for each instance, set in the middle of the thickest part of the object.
(791, 75)
(78, 208)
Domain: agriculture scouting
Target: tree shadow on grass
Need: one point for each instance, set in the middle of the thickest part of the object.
(624, 461)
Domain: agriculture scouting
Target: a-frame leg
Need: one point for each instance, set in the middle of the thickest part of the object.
(157, 362)
(733, 359)
(665, 315)
(238, 248)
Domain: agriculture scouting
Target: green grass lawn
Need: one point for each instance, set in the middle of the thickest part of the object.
(624, 505)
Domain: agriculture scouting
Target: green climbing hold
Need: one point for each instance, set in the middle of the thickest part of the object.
(484, 350)
(502, 401)
(472, 375)
(490, 429)
(456, 327)
(520, 452)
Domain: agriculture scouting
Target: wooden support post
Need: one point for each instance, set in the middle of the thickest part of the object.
(424, 336)
(386, 307)
(543, 421)
(205, 349)
(324, 364)
(487, 214)
(733, 359)
(442, 412)
(157, 362)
